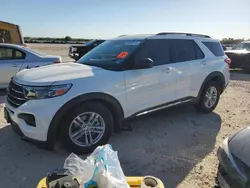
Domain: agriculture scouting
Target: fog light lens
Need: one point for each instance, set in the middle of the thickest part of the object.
(28, 118)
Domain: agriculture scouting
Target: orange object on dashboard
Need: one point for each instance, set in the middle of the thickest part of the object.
(122, 55)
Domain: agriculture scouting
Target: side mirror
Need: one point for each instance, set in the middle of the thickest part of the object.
(144, 63)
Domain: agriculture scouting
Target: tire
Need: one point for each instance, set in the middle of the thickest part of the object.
(69, 129)
(202, 106)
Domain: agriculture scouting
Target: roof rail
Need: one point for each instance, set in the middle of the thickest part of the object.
(121, 35)
(187, 34)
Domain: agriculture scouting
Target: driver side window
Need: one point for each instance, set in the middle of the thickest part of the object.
(157, 50)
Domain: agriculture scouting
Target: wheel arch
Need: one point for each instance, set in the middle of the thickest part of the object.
(214, 76)
(109, 101)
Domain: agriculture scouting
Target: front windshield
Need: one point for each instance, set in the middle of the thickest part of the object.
(242, 46)
(110, 54)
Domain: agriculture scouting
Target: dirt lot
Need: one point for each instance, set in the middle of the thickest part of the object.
(177, 145)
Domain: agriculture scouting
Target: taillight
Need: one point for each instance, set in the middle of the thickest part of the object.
(228, 61)
(55, 62)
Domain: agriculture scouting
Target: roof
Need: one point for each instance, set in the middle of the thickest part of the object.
(11, 45)
(7, 23)
(133, 37)
(162, 35)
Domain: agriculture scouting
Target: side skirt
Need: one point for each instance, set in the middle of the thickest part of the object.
(192, 100)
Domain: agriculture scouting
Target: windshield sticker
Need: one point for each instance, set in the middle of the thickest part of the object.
(132, 43)
(122, 55)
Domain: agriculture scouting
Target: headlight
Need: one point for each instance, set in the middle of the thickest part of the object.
(45, 92)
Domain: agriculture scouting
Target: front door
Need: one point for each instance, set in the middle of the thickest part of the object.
(149, 88)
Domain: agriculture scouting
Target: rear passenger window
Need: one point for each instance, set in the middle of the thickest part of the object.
(215, 48)
(187, 50)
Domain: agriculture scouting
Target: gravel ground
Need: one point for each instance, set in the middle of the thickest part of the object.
(178, 145)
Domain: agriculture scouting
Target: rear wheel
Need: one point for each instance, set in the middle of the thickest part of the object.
(87, 127)
(209, 98)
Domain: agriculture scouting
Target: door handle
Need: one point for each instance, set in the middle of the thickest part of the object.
(204, 62)
(14, 65)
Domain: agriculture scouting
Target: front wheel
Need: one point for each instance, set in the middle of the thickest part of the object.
(209, 98)
(86, 127)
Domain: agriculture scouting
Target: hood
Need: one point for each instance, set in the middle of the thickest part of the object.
(50, 74)
(239, 145)
(237, 51)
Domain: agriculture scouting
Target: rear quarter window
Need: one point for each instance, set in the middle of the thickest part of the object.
(215, 48)
(19, 55)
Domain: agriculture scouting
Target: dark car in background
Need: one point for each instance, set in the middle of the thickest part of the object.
(234, 158)
(240, 55)
(224, 47)
(77, 51)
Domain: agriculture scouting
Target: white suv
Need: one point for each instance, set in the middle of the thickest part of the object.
(83, 103)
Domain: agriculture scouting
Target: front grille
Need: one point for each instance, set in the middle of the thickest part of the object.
(15, 95)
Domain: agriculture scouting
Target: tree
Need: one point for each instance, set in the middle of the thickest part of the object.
(67, 38)
(231, 41)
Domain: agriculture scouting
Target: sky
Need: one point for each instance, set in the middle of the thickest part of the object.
(110, 18)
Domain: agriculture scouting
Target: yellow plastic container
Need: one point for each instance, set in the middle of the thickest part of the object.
(132, 181)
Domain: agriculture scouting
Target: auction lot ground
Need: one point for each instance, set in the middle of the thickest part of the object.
(178, 145)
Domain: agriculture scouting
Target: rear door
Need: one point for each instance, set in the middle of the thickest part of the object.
(11, 60)
(148, 88)
(188, 58)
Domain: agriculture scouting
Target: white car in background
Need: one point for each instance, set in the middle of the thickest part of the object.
(14, 58)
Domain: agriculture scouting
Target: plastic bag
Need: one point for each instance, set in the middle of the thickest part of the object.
(101, 169)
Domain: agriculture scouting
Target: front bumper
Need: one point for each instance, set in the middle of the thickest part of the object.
(41, 144)
(43, 110)
(228, 172)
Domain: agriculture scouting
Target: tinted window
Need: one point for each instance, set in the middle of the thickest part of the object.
(9, 54)
(5, 36)
(215, 48)
(199, 54)
(19, 55)
(6, 53)
(165, 51)
(187, 50)
(158, 50)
